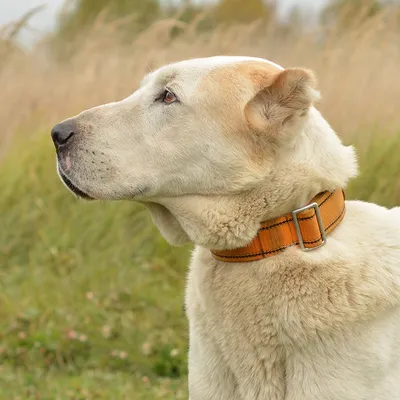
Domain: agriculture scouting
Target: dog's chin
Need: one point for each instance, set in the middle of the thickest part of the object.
(72, 187)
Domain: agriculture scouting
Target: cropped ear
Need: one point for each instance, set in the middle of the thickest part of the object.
(284, 101)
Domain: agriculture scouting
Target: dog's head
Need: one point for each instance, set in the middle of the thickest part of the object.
(208, 127)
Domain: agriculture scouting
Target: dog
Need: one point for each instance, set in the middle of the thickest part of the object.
(293, 292)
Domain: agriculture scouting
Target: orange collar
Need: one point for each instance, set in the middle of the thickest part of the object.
(306, 227)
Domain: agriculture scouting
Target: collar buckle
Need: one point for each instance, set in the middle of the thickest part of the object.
(320, 225)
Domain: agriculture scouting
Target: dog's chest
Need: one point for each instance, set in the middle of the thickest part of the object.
(284, 325)
(244, 334)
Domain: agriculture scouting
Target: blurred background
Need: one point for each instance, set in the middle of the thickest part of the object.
(91, 297)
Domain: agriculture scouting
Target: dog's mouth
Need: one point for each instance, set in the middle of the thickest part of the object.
(78, 192)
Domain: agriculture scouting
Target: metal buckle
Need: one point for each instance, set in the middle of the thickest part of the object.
(320, 224)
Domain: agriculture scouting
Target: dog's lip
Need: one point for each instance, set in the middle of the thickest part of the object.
(80, 193)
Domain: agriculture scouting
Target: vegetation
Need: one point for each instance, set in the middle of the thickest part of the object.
(91, 303)
(235, 11)
(346, 14)
(85, 288)
(82, 14)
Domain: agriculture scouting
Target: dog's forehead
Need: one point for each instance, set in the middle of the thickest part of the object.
(191, 72)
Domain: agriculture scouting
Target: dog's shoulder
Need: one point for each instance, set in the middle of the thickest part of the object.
(368, 225)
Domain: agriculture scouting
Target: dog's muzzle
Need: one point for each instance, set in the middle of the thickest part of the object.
(72, 187)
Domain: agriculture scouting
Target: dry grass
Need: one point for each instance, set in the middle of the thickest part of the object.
(358, 71)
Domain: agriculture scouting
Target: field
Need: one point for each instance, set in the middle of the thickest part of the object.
(91, 299)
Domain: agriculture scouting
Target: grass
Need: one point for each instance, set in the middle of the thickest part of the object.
(90, 293)
(91, 296)
(86, 386)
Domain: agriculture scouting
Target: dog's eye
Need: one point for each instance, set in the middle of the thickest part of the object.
(169, 97)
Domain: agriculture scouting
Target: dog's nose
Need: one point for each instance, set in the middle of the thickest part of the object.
(62, 133)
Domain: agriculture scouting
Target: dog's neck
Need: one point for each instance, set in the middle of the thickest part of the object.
(227, 222)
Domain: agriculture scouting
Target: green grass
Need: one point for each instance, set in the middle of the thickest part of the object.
(91, 384)
(91, 297)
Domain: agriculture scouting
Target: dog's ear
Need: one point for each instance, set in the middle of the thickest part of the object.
(283, 101)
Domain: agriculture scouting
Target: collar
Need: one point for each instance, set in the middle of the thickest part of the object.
(306, 227)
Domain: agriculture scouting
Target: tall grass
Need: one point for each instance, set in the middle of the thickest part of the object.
(357, 69)
(91, 296)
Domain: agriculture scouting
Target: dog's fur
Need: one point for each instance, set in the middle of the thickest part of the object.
(244, 144)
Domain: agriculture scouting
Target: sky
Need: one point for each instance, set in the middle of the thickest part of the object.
(44, 21)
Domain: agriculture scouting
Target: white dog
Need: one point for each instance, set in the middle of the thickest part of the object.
(225, 152)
